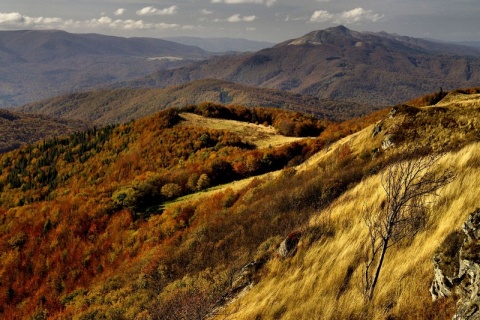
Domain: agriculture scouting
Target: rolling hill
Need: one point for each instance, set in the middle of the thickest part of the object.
(120, 105)
(18, 129)
(41, 64)
(88, 228)
(186, 158)
(341, 64)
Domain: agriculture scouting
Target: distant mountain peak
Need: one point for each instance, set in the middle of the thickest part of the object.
(340, 29)
(339, 35)
(342, 37)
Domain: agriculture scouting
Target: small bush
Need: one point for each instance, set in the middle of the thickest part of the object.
(171, 190)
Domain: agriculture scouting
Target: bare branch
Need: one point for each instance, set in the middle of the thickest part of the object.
(407, 184)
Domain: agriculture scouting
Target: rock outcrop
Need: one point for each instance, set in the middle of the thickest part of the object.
(457, 269)
(288, 247)
(377, 129)
(388, 142)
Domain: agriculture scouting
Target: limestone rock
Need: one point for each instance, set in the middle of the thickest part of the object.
(241, 282)
(245, 275)
(446, 265)
(288, 247)
(457, 268)
(388, 142)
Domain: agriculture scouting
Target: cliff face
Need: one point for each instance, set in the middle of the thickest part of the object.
(457, 269)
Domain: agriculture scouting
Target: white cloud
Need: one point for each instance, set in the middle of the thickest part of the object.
(206, 12)
(189, 27)
(16, 20)
(120, 12)
(268, 3)
(151, 11)
(238, 18)
(321, 16)
(360, 14)
(346, 17)
(13, 17)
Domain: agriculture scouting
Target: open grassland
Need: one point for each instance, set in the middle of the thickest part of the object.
(266, 136)
(259, 135)
(325, 279)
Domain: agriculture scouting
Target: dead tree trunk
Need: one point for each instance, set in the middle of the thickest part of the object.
(407, 184)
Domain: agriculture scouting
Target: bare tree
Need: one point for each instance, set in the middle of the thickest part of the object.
(407, 184)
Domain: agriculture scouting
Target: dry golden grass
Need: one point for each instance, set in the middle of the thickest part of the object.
(235, 186)
(314, 283)
(460, 100)
(357, 142)
(308, 285)
(259, 135)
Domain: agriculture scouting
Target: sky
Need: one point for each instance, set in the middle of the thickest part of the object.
(262, 20)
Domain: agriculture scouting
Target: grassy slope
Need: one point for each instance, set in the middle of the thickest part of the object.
(308, 285)
(258, 135)
(263, 137)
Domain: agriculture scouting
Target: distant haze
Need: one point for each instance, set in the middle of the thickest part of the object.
(335, 63)
(222, 44)
(261, 20)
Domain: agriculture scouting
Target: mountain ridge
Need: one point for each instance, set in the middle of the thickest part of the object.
(349, 66)
(378, 70)
(41, 64)
(222, 44)
(351, 37)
